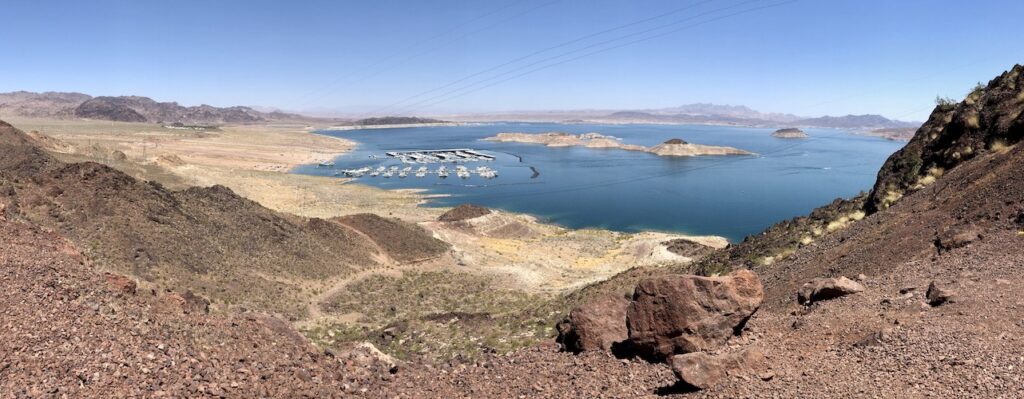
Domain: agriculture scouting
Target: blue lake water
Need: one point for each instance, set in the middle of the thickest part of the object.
(577, 187)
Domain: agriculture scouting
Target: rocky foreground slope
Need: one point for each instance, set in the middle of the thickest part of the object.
(68, 331)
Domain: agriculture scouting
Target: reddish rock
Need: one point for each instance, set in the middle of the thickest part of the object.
(364, 360)
(957, 237)
(702, 370)
(683, 314)
(187, 302)
(821, 289)
(596, 325)
(119, 283)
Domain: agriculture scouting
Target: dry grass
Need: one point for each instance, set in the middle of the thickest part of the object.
(891, 196)
(1000, 147)
(438, 315)
(973, 122)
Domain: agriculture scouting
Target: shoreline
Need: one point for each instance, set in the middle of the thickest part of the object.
(398, 126)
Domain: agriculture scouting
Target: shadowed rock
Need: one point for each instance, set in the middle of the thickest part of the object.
(683, 314)
(822, 289)
(596, 325)
(938, 295)
(957, 237)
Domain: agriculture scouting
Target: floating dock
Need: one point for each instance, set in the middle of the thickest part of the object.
(453, 155)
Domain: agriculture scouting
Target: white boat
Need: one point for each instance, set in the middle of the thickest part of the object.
(388, 174)
(325, 164)
(356, 172)
(442, 172)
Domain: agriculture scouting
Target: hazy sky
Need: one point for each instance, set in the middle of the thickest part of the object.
(808, 57)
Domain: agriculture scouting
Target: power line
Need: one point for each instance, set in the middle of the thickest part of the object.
(374, 69)
(441, 100)
(547, 49)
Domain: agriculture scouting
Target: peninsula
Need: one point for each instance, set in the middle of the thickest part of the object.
(673, 147)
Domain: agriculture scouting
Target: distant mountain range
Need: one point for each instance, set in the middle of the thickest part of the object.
(143, 109)
(129, 109)
(855, 121)
(738, 112)
(700, 113)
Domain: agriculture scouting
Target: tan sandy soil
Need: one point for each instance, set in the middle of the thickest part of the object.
(276, 147)
(549, 258)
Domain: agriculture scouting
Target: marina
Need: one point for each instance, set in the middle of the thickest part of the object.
(456, 156)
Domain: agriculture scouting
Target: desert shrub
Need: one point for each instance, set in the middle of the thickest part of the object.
(945, 103)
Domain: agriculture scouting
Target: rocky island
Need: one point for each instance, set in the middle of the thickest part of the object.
(680, 148)
(790, 133)
(673, 147)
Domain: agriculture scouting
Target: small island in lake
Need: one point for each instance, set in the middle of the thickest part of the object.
(790, 133)
(673, 147)
(680, 148)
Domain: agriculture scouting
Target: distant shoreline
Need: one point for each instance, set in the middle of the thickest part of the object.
(398, 126)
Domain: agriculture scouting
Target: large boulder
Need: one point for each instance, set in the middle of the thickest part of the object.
(957, 237)
(682, 314)
(120, 284)
(596, 325)
(822, 288)
(702, 370)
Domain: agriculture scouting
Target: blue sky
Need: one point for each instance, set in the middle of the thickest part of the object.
(808, 57)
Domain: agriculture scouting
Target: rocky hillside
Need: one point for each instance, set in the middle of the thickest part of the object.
(989, 119)
(208, 240)
(40, 105)
(144, 109)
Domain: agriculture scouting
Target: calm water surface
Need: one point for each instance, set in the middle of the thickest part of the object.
(632, 191)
